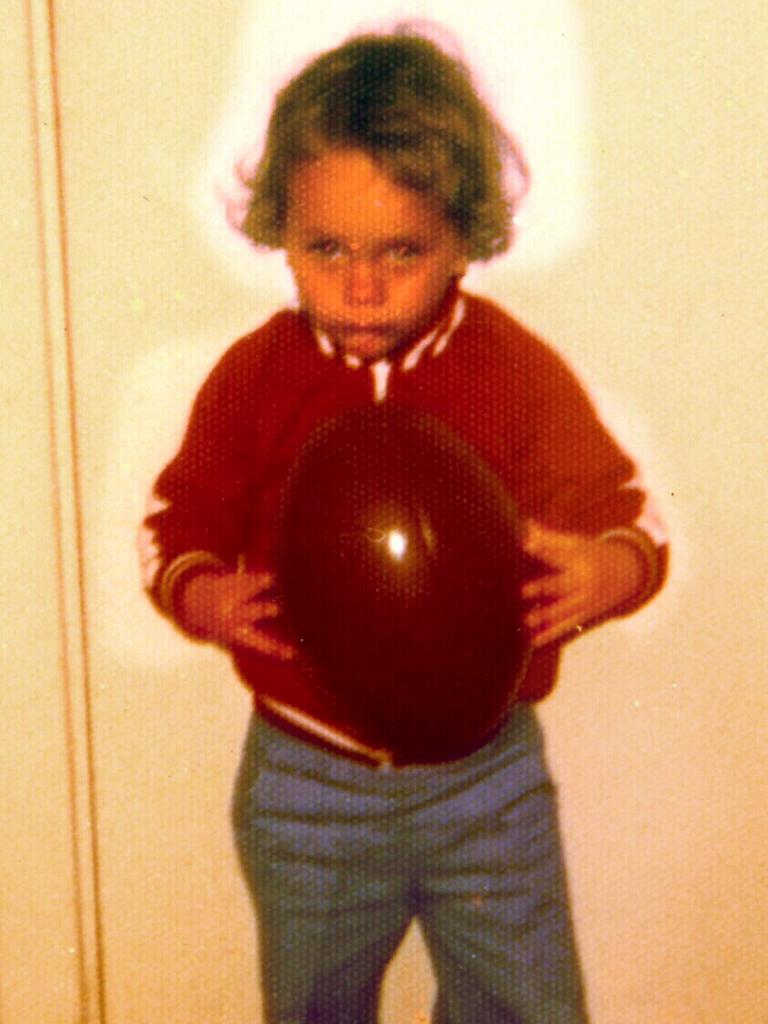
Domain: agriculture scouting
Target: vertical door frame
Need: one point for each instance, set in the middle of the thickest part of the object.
(50, 185)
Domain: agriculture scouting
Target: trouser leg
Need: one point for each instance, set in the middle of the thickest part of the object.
(493, 898)
(318, 969)
(331, 899)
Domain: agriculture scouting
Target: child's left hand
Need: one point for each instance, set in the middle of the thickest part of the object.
(588, 579)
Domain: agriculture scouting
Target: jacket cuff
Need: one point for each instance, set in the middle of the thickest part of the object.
(654, 561)
(181, 569)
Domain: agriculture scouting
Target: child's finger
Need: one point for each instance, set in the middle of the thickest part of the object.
(560, 631)
(548, 546)
(261, 609)
(262, 580)
(561, 619)
(538, 537)
(544, 616)
(250, 636)
(551, 585)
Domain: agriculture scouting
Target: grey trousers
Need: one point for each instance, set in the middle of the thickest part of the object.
(340, 858)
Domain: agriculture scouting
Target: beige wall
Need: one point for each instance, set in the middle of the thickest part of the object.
(121, 901)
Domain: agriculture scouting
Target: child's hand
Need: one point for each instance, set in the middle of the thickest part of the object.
(589, 578)
(230, 609)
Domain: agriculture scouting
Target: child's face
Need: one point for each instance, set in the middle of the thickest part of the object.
(372, 261)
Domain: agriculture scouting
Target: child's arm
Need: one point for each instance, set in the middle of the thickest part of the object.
(202, 510)
(589, 521)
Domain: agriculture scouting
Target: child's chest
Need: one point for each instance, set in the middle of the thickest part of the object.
(481, 405)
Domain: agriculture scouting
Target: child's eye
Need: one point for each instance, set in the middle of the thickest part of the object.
(403, 252)
(328, 248)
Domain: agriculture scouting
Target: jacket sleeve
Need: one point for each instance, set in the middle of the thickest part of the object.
(578, 478)
(198, 510)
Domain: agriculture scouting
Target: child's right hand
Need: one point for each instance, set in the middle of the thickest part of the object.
(230, 609)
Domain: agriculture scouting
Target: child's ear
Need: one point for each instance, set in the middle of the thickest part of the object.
(461, 262)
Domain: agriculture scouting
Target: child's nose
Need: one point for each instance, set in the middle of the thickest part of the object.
(364, 282)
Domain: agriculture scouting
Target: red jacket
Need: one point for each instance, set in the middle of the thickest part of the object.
(502, 389)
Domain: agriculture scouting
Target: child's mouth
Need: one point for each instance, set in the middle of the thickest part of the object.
(364, 341)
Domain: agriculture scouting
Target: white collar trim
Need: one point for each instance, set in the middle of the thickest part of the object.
(437, 338)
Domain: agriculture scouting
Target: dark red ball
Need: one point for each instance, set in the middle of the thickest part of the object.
(399, 571)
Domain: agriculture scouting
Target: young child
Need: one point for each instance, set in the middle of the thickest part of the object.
(382, 178)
